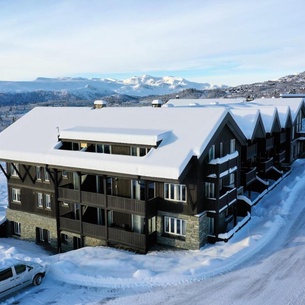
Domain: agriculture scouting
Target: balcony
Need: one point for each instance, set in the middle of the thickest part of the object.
(281, 157)
(220, 166)
(65, 193)
(94, 199)
(283, 137)
(130, 239)
(70, 225)
(269, 143)
(94, 230)
(224, 200)
(248, 175)
(249, 152)
(264, 165)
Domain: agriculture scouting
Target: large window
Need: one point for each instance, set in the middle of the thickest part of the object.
(175, 192)
(209, 190)
(138, 224)
(174, 226)
(16, 195)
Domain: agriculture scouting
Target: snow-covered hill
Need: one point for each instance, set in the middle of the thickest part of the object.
(83, 88)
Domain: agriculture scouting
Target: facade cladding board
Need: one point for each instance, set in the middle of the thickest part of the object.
(181, 190)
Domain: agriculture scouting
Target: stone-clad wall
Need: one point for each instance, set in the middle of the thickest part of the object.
(29, 222)
(196, 228)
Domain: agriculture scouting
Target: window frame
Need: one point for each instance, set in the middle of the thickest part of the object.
(175, 192)
(16, 195)
(17, 228)
(39, 200)
(172, 225)
(47, 201)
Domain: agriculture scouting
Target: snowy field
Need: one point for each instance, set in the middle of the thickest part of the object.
(264, 263)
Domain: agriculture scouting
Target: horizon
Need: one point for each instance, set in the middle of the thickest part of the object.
(218, 43)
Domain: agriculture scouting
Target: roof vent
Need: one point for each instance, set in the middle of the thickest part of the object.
(99, 104)
(157, 103)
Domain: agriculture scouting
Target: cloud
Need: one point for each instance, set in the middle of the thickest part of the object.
(62, 38)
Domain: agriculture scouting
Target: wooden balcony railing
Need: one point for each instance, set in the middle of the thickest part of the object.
(68, 194)
(269, 143)
(126, 204)
(281, 157)
(249, 151)
(219, 168)
(248, 175)
(227, 198)
(94, 230)
(70, 225)
(283, 137)
(94, 199)
(127, 238)
(264, 165)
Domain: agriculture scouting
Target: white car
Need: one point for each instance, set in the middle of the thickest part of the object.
(18, 274)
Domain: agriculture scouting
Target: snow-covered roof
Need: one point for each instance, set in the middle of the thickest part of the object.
(183, 132)
(272, 109)
(247, 120)
(132, 136)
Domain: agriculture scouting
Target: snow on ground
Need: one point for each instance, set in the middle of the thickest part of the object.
(93, 274)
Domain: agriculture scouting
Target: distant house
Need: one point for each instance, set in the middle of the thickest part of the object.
(174, 175)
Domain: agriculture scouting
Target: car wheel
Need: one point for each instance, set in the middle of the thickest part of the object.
(37, 279)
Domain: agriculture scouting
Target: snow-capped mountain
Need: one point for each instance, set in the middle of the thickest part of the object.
(82, 88)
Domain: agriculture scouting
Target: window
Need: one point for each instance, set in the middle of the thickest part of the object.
(38, 173)
(232, 146)
(211, 153)
(39, 200)
(220, 149)
(6, 274)
(43, 235)
(103, 148)
(64, 238)
(209, 190)
(174, 226)
(48, 201)
(175, 192)
(46, 175)
(17, 228)
(65, 204)
(139, 151)
(64, 174)
(138, 223)
(151, 225)
(20, 268)
(232, 178)
(16, 197)
(14, 169)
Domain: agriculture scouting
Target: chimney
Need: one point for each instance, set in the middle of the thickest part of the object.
(98, 104)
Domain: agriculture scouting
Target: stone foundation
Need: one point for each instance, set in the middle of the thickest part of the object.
(196, 231)
(29, 222)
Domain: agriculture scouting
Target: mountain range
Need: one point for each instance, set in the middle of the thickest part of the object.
(137, 89)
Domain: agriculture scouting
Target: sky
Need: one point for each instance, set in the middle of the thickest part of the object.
(220, 42)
